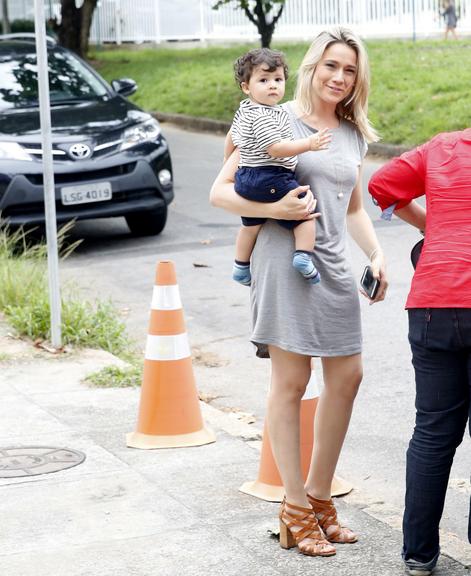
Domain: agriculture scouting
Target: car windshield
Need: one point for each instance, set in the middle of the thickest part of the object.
(69, 80)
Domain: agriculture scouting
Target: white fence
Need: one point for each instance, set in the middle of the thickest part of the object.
(162, 20)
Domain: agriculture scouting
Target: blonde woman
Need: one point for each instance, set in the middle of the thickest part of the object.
(291, 323)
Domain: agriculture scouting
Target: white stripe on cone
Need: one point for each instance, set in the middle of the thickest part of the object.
(166, 298)
(167, 347)
(312, 388)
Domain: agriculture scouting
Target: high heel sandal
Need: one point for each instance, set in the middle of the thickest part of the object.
(292, 516)
(326, 515)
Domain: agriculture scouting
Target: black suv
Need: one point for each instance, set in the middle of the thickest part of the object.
(110, 158)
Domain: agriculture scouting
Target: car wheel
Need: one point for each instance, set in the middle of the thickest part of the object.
(147, 223)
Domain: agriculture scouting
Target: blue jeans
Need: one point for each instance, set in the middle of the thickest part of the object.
(440, 340)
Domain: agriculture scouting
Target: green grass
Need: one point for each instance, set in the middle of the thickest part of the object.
(24, 300)
(117, 377)
(418, 89)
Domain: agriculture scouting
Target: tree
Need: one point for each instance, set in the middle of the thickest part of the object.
(75, 23)
(260, 13)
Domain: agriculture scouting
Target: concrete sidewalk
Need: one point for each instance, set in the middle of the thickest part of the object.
(127, 512)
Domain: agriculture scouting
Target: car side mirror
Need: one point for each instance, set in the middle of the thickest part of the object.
(124, 86)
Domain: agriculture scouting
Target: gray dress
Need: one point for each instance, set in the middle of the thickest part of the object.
(287, 311)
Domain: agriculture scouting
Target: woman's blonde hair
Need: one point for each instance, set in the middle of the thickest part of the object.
(355, 106)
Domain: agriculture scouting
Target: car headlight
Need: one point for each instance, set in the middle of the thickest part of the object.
(145, 132)
(13, 151)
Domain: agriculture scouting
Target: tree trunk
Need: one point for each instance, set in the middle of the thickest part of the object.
(87, 17)
(5, 19)
(69, 28)
(266, 34)
(74, 29)
(265, 26)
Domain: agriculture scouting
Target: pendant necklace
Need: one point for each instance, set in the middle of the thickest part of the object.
(338, 172)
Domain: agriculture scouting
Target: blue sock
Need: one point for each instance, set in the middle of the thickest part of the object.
(303, 263)
(241, 272)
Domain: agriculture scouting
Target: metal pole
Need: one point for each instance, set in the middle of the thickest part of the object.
(98, 25)
(49, 189)
(414, 35)
(202, 24)
(118, 22)
(158, 32)
(6, 20)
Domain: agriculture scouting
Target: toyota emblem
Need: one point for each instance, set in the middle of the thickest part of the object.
(80, 151)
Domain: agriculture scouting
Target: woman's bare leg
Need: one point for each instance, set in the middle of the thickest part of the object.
(342, 377)
(290, 375)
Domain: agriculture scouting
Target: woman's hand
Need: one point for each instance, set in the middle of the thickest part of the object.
(292, 207)
(378, 267)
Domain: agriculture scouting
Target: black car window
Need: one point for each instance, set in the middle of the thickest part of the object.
(69, 80)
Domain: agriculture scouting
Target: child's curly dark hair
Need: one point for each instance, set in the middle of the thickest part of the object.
(244, 66)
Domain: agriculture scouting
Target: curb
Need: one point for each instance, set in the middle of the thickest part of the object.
(220, 127)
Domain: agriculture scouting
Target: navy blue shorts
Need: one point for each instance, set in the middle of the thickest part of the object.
(266, 184)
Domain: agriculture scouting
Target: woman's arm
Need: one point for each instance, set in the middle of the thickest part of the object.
(228, 146)
(363, 233)
(291, 207)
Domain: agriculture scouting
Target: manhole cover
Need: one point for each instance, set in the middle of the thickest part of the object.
(29, 461)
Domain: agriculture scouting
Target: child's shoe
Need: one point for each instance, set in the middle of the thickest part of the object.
(241, 273)
(303, 263)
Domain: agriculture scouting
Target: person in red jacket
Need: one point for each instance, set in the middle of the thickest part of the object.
(439, 308)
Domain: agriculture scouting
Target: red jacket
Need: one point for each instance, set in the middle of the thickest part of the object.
(440, 169)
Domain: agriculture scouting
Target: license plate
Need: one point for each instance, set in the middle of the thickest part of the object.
(96, 192)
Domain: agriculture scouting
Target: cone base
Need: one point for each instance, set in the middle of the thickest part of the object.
(263, 491)
(150, 442)
(271, 493)
(340, 487)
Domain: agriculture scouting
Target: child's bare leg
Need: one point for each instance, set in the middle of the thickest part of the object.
(245, 242)
(305, 238)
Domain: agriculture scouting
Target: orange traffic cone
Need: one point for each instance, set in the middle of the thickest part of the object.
(268, 485)
(169, 412)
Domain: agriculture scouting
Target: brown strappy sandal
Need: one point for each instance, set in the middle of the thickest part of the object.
(303, 518)
(326, 515)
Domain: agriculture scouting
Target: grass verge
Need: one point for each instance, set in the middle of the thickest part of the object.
(418, 88)
(117, 377)
(24, 299)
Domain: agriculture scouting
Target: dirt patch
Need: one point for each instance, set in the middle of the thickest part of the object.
(208, 359)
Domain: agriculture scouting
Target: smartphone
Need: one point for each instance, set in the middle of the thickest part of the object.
(369, 283)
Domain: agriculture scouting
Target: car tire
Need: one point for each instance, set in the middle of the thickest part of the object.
(147, 223)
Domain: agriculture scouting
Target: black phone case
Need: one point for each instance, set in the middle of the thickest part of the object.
(372, 290)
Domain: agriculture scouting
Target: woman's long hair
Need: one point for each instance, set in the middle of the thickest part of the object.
(355, 106)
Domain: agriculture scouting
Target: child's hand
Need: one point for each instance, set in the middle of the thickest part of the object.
(320, 140)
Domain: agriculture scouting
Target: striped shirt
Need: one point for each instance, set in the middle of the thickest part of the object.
(255, 128)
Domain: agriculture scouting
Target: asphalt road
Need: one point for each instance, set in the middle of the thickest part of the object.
(200, 239)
